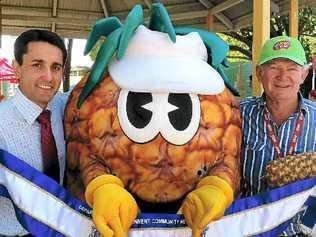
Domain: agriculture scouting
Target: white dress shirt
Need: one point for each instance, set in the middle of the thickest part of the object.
(20, 135)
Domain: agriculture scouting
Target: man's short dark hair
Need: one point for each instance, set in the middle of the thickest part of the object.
(36, 35)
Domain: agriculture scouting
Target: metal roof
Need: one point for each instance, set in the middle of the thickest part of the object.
(74, 18)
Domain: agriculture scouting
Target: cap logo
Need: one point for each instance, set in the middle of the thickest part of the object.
(284, 44)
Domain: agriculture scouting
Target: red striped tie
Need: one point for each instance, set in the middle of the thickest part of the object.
(49, 150)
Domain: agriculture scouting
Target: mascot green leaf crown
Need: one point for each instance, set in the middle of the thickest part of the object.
(118, 35)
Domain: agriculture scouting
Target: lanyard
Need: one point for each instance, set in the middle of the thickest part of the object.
(275, 140)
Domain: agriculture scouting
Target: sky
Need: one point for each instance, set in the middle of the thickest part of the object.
(77, 59)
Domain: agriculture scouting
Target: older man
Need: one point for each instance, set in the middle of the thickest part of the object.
(272, 121)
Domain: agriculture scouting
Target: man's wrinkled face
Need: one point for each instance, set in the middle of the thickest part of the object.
(41, 72)
(281, 78)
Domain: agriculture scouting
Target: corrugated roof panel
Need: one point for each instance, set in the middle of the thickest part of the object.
(92, 5)
(27, 3)
(78, 16)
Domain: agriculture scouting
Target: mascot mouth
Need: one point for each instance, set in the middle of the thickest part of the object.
(161, 190)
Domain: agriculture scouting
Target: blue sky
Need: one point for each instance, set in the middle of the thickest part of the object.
(78, 59)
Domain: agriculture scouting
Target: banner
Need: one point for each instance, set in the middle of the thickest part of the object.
(45, 208)
(7, 72)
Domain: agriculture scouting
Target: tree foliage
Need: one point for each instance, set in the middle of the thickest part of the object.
(241, 41)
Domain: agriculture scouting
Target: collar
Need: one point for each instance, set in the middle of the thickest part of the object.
(262, 103)
(27, 108)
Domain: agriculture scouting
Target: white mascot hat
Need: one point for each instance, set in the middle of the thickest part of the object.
(153, 63)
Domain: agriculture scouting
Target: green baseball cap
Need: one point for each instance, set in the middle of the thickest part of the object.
(283, 47)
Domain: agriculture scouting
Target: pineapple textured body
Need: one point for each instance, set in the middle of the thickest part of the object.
(156, 171)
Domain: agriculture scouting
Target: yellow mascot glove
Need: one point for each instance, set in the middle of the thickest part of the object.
(206, 203)
(114, 208)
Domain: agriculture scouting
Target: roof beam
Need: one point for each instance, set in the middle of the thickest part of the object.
(53, 28)
(188, 15)
(206, 3)
(147, 3)
(225, 20)
(225, 5)
(65, 33)
(83, 32)
(55, 4)
(104, 8)
(59, 20)
(88, 14)
(91, 21)
(283, 9)
(220, 16)
(54, 14)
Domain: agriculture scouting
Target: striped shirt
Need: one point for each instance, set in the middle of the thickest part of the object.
(20, 135)
(258, 150)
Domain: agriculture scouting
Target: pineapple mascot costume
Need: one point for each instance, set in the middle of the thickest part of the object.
(152, 127)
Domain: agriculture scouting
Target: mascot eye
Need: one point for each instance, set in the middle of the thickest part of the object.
(136, 116)
(181, 123)
(181, 117)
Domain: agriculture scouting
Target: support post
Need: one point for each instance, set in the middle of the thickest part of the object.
(210, 21)
(293, 18)
(261, 32)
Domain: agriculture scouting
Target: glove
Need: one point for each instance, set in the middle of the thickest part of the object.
(206, 203)
(114, 209)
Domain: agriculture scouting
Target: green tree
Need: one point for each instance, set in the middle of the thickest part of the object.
(241, 41)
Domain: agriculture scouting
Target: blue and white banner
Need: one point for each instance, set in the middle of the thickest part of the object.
(45, 208)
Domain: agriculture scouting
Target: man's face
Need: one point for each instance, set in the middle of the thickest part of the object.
(41, 72)
(281, 78)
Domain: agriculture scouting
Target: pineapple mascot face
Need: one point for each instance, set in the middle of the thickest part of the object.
(153, 128)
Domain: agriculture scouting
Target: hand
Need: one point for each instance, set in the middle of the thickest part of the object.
(206, 203)
(114, 209)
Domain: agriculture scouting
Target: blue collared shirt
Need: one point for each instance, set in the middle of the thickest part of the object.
(257, 147)
(258, 150)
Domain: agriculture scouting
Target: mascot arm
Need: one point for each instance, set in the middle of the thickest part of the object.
(206, 203)
(228, 169)
(114, 209)
(91, 167)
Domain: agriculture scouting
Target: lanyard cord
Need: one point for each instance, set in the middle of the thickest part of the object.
(274, 138)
